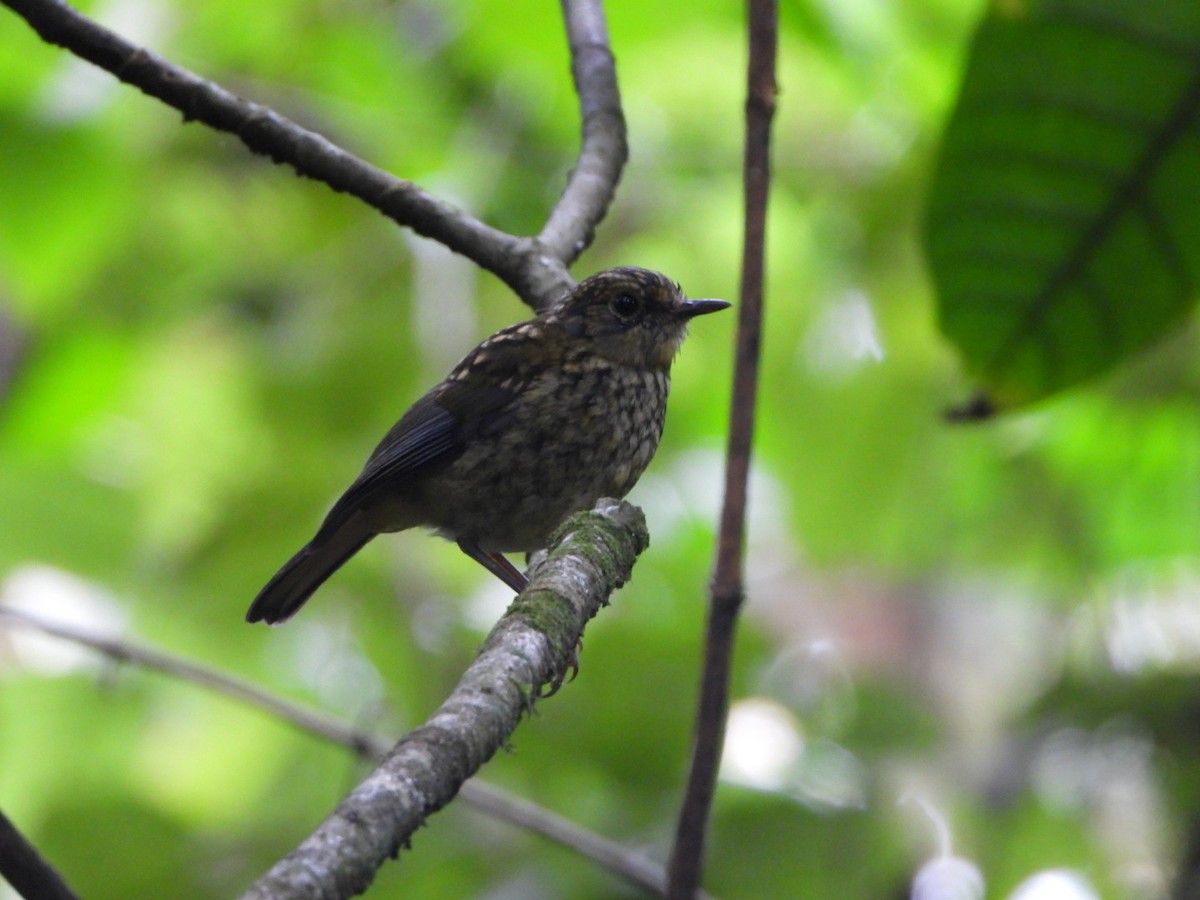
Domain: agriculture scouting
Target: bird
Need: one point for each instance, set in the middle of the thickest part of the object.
(539, 421)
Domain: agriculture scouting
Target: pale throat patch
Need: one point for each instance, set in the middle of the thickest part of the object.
(669, 349)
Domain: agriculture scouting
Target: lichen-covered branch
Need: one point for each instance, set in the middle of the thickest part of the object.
(531, 647)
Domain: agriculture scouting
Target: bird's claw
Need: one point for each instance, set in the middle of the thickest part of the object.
(567, 675)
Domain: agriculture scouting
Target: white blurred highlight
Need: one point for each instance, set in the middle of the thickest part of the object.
(54, 594)
(763, 745)
(78, 90)
(844, 337)
(1055, 884)
(945, 876)
(948, 878)
(766, 750)
(1152, 619)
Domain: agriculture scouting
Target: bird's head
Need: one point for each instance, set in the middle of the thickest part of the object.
(631, 316)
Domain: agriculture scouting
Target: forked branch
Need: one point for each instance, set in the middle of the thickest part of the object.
(535, 267)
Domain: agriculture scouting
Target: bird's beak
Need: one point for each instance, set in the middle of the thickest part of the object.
(693, 308)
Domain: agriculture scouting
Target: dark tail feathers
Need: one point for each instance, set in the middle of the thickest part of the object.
(304, 573)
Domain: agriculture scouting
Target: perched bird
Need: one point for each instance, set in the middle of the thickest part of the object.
(541, 420)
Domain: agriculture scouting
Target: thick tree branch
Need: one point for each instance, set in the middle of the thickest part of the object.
(26, 871)
(532, 646)
(725, 602)
(534, 267)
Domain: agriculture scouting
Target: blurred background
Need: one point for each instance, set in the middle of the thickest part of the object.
(969, 653)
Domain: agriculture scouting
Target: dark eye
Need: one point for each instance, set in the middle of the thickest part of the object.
(625, 306)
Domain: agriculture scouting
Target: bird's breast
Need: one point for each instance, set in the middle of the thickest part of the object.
(583, 431)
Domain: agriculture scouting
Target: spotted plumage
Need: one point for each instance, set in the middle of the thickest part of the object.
(540, 420)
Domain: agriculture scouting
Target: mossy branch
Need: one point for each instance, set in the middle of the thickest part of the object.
(532, 646)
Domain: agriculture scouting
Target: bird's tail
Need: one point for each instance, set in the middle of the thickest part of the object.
(292, 585)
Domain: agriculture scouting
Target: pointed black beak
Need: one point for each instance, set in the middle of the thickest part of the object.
(693, 308)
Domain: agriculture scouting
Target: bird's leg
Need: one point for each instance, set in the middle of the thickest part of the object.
(497, 564)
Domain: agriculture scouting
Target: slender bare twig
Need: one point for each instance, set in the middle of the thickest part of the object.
(304, 718)
(26, 871)
(487, 798)
(602, 155)
(266, 132)
(591, 555)
(687, 855)
(534, 267)
(634, 867)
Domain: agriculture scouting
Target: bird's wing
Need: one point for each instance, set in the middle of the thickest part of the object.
(433, 432)
(436, 429)
(478, 397)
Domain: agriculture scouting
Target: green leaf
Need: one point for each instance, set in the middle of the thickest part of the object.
(1063, 229)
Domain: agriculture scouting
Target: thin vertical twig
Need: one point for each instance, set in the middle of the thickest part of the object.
(725, 602)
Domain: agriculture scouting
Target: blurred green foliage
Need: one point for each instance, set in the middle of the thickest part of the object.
(202, 349)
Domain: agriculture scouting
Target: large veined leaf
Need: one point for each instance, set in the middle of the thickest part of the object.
(1064, 221)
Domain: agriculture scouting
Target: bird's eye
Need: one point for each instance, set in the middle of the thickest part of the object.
(625, 306)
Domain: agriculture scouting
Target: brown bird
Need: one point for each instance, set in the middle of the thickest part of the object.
(541, 420)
